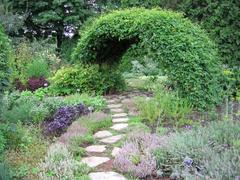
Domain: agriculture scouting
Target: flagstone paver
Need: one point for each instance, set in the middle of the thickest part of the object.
(119, 115)
(120, 126)
(96, 148)
(112, 106)
(118, 120)
(102, 134)
(112, 139)
(117, 110)
(115, 151)
(106, 176)
(111, 101)
(94, 161)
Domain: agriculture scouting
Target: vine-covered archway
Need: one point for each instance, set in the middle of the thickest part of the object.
(182, 48)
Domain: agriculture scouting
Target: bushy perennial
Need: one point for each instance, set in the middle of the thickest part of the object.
(58, 163)
(182, 49)
(64, 117)
(136, 156)
(210, 152)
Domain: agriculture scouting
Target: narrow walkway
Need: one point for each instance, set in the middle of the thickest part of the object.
(101, 155)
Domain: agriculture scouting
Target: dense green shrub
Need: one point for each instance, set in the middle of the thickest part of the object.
(86, 79)
(183, 50)
(210, 152)
(5, 55)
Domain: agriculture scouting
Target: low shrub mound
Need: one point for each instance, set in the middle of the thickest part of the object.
(4, 59)
(210, 152)
(136, 156)
(86, 79)
(182, 49)
(64, 117)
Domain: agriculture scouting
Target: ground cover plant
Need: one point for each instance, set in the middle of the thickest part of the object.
(204, 152)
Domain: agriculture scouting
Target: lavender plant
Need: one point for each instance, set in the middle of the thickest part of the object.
(59, 163)
(136, 156)
(210, 152)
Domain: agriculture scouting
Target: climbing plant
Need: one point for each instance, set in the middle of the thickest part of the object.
(186, 54)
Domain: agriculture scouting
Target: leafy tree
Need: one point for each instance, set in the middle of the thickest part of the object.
(11, 22)
(58, 18)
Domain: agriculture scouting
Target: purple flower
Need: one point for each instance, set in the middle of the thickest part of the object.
(187, 162)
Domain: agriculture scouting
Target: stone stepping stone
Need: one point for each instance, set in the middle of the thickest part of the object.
(119, 120)
(94, 161)
(117, 110)
(96, 148)
(106, 176)
(118, 115)
(120, 126)
(113, 106)
(111, 101)
(115, 151)
(102, 134)
(112, 139)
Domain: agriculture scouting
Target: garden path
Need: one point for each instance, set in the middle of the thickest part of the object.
(101, 155)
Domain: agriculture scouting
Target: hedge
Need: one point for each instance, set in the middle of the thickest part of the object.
(4, 60)
(186, 54)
